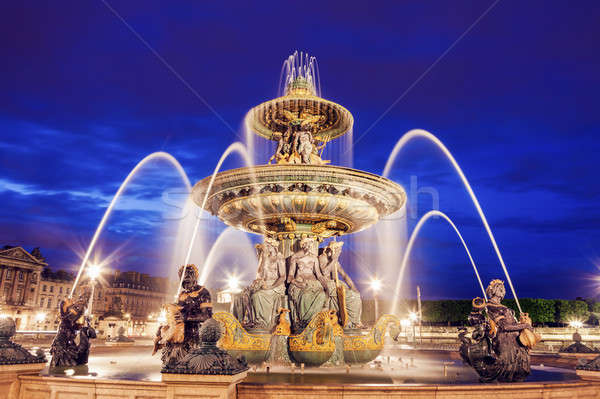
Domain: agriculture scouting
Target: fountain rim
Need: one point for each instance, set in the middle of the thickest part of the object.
(357, 172)
(261, 130)
(391, 195)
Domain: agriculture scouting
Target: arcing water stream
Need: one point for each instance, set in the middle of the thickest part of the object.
(154, 156)
(411, 242)
(418, 133)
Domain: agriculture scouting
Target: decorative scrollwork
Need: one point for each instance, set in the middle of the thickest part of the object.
(235, 337)
(373, 340)
(318, 336)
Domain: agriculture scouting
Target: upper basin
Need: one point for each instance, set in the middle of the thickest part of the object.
(293, 201)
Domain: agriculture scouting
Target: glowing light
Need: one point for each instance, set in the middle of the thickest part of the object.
(233, 283)
(375, 284)
(425, 134)
(39, 317)
(162, 318)
(575, 324)
(4, 316)
(413, 316)
(405, 323)
(93, 271)
(127, 315)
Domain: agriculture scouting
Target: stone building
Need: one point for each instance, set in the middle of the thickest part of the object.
(54, 287)
(20, 274)
(30, 293)
(136, 297)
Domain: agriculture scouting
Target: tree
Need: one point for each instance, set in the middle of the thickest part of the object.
(567, 311)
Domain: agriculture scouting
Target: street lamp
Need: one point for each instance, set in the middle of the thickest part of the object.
(375, 285)
(93, 272)
(412, 316)
(233, 283)
(40, 317)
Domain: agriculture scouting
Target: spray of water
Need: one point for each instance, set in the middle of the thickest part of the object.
(418, 133)
(235, 147)
(152, 157)
(300, 66)
(231, 242)
(409, 247)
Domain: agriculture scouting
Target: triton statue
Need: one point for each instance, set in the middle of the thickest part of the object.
(71, 345)
(499, 346)
(179, 335)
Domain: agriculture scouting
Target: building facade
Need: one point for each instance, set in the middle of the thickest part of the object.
(133, 296)
(20, 275)
(30, 293)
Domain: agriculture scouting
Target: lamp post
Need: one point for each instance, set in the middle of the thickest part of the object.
(93, 272)
(375, 285)
(39, 318)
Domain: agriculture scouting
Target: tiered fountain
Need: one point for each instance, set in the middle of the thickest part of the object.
(296, 202)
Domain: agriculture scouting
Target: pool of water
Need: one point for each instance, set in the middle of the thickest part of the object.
(395, 367)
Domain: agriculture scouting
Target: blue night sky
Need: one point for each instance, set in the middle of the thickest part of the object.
(82, 100)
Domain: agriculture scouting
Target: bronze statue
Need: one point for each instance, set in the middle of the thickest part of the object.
(179, 335)
(71, 345)
(344, 297)
(308, 291)
(499, 346)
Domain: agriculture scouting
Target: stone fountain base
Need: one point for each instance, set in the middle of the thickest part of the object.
(230, 387)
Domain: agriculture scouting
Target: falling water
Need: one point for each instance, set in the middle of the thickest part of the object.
(426, 135)
(234, 147)
(154, 156)
(303, 66)
(231, 243)
(409, 247)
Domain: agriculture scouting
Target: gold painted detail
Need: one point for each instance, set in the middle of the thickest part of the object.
(374, 339)
(318, 336)
(235, 337)
(283, 327)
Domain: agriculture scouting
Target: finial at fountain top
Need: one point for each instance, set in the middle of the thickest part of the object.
(301, 75)
(300, 107)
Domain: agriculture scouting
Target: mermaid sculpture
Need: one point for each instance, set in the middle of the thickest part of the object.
(499, 345)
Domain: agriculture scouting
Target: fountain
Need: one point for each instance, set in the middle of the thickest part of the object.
(295, 202)
(299, 321)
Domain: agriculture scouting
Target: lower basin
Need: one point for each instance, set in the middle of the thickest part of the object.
(394, 366)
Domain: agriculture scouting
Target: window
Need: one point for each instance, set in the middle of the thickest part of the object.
(68, 290)
(49, 303)
(60, 290)
(42, 302)
(8, 274)
(6, 292)
(44, 287)
(21, 276)
(51, 288)
(19, 294)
